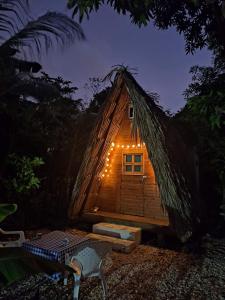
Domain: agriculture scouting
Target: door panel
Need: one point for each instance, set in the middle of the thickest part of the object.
(132, 195)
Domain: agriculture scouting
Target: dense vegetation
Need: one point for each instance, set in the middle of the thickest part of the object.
(44, 127)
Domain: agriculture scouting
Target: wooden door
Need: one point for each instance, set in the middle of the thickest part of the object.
(132, 195)
(131, 187)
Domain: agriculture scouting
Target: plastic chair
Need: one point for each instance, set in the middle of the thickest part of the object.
(16, 243)
(87, 262)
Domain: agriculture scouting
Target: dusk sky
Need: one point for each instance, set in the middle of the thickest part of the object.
(159, 56)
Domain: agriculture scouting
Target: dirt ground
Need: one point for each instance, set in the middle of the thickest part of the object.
(147, 273)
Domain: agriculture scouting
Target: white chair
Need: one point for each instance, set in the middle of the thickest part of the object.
(86, 261)
(16, 243)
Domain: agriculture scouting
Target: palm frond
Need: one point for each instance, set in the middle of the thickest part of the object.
(12, 13)
(46, 30)
(117, 69)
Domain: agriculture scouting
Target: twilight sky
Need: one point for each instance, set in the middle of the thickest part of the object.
(159, 56)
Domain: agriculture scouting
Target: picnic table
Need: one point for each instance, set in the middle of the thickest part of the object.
(54, 246)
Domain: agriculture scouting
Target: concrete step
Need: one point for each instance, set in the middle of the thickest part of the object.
(117, 244)
(118, 231)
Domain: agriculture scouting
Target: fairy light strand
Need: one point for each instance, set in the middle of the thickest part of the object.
(108, 165)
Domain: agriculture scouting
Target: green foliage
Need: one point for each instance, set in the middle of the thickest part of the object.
(16, 263)
(22, 178)
(201, 22)
(205, 114)
(6, 210)
(206, 95)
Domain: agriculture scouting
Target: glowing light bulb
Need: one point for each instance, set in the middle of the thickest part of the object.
(108, 153)
(122, 146)
(106, 170)
(103, 175)
(113, 144)
(118, 146)
(107, 159)
(107, 165)
(128, 146)
(139, 145)
(133, 146)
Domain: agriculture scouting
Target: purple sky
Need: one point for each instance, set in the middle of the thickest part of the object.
(159, 56)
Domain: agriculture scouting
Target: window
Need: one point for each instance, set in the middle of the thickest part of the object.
(133, 164)
(131, 112)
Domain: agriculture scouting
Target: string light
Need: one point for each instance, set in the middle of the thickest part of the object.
(108, 167)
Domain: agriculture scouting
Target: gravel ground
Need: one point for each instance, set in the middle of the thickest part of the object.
(147, 273)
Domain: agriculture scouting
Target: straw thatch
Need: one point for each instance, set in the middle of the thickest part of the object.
(172, 160)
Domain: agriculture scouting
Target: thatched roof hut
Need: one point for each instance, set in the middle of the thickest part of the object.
(172, 160)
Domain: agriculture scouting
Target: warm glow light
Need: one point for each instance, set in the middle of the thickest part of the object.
(103, 175)
(107, 165)
(113, 144)
(106, 170)
(108, 153)
(107, 159)
(111, 149)
(128, 146)
(133, 146)
(118, 146)
(107, 175)
(143, 143)
(139, 145)
(122, 146)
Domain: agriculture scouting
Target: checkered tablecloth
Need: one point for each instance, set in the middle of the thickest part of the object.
(54, 245)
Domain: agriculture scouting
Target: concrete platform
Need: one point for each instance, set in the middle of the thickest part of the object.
(118, 244)
(118, 231)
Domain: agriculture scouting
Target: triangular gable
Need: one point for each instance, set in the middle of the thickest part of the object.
(153, 126)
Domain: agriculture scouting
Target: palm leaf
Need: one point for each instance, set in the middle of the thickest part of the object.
(47, 29)
(11, 12)
(16, 263)
(6, 210)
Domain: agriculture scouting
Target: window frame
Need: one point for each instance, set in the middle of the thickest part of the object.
(129, 111)
(132, 163)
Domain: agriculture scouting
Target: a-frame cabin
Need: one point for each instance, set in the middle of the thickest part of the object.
(136, 164)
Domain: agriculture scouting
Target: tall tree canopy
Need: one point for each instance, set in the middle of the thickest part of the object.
(201, 22)
(21, 37)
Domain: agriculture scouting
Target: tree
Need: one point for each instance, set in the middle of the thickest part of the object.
(204, 113)
(24, 36)
(201, 22)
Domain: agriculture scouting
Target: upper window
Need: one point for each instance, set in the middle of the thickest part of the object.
(133, 164)
(131, 112)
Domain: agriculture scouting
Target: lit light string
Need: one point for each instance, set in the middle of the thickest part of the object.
(108, 164)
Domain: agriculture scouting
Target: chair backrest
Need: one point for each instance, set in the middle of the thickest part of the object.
(90, 254)
(14, 243)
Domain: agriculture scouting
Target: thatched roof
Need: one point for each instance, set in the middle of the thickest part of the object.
(172, 160)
